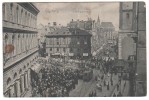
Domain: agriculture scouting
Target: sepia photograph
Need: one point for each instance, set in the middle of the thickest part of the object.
(74, 49)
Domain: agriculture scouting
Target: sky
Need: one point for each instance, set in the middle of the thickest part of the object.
(63, 13)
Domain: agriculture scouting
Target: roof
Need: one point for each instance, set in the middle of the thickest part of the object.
(64, 31)
(107, 24)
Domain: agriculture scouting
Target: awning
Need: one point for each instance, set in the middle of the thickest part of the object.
(56, 54)
(85, 54)
(120, 63)
(71, 54)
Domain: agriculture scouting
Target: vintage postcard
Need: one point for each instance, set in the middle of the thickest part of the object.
(69, 49)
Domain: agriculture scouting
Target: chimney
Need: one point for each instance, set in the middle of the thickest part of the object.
(48, 24)
(54, 23)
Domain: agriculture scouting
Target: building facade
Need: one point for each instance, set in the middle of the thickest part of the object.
(107, 31)
(132, 41)
(19, 32)
(81, 24)
(69, 42)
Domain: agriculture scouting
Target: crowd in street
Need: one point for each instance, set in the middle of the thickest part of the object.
(55, 82)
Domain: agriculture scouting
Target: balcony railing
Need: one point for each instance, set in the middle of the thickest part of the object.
(12, 25)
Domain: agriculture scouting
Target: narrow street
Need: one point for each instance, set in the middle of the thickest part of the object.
(84, 88)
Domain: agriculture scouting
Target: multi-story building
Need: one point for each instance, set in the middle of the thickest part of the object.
(19, 32)
(70, 42)
(132, 41)
(87, 25)
(107, 31)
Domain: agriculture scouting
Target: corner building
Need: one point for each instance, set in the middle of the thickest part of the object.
(132, 40)
(69, 43)
(19, 30)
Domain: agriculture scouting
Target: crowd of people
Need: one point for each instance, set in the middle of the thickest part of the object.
(55, 82)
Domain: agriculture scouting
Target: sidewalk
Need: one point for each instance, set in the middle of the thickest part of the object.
(106, 92)
(124, 89)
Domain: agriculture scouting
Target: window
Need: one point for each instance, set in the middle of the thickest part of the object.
(26, 18)
(17, 12)
(24, 67)
(13, 38)
(11, 11)
(21, 17)
(18, 36)
(50, 49)
(85, 42)
(57, 41)
(8, 80)
(71, 50)
(64, 49)
(128, 15)
(15, 75)
(3, 11)
(6, 36)
(20, 71)
(57, 49)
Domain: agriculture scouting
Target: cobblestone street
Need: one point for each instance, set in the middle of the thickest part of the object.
(84, 88)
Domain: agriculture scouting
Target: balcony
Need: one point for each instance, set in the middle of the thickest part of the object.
(7, 25)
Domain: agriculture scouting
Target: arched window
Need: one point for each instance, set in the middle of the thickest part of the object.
(8, 80)
(127, 15)
(21, 17)
(6, 38)
(20, 71)
(28, 19)
(31, 21)
(13, 37)
(15, 75)
(17, 12)
(11, 11)
(3, 11)
(24, 67)
(18, 36)
(25, 19)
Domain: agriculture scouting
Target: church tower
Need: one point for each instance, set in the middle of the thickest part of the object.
(98, 22)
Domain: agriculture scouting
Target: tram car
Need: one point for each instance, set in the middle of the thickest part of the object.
(87, 75)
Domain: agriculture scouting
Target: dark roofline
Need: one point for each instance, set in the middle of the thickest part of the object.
(66, 35)
(24, 4)
(34, 7)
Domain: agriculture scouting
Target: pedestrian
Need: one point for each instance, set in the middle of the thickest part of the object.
(89, 94)
(114, 95)
(125, 84)
(104, 83)
(112, 82)
(119, 94)
(117, 87)
(108, 86)
(92, 94)
(96, 78)
(95, 93)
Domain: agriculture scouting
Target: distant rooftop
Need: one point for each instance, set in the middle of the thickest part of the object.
(64, 31)
(107, 24)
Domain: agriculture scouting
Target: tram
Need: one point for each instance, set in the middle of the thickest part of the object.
(87, 75)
